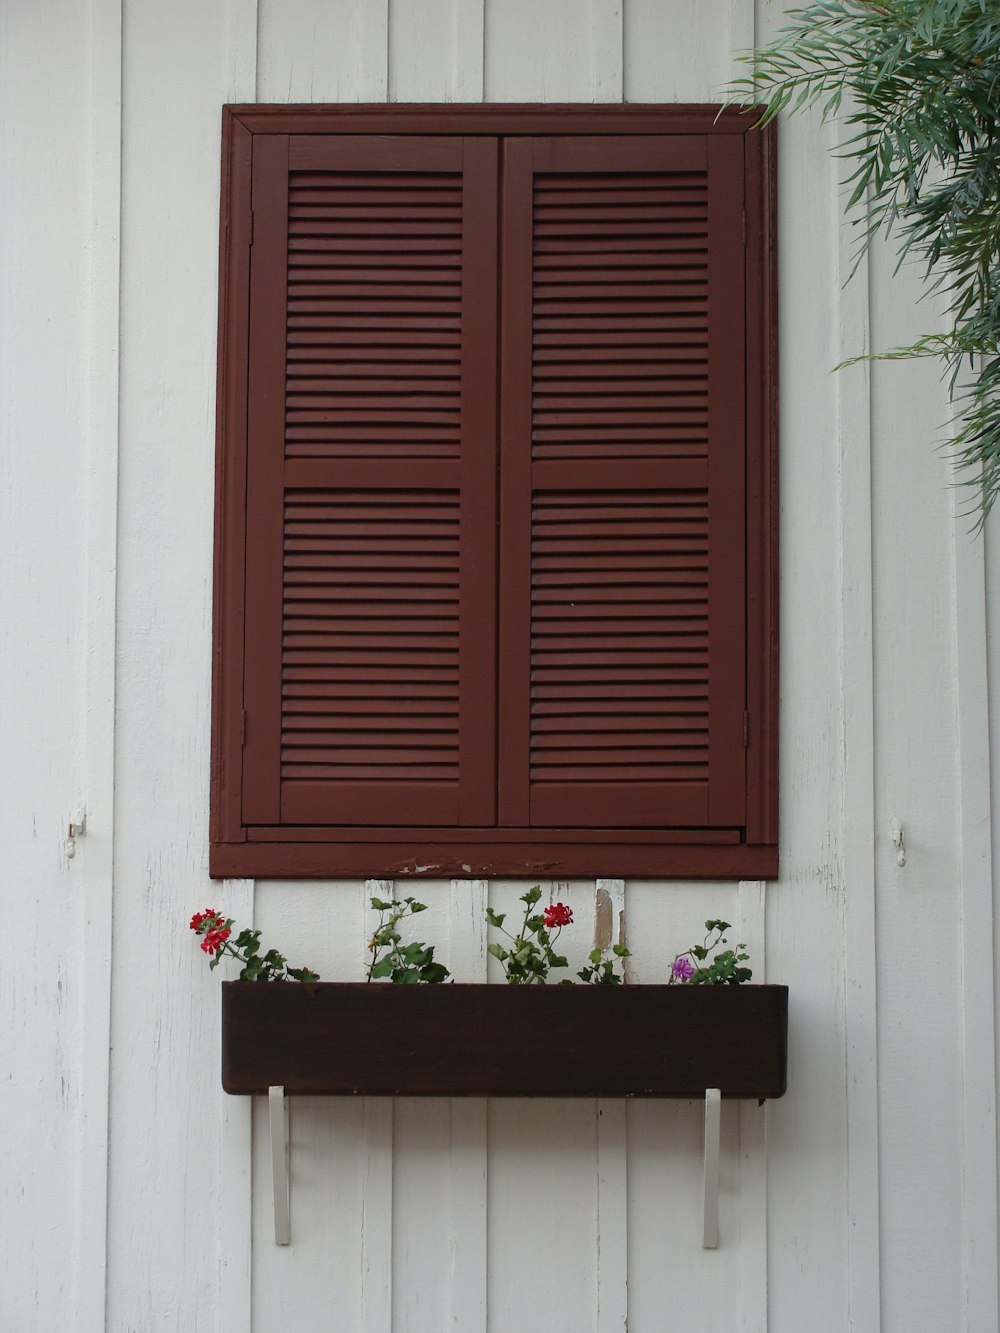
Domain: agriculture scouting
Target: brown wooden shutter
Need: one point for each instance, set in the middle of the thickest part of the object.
(496, 547)
(623, 487)
(370, 624)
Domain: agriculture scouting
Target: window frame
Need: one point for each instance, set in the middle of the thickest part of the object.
(240, 850)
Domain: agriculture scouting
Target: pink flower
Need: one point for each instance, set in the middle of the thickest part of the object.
(682, 969)
(215, 939)
(199, 918)
(557, 915)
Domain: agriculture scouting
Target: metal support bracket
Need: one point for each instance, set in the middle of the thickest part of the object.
(278, 1113)
(713, 1137)
(279, 1163)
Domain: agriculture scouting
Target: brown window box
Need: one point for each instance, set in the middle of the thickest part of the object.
(335, 1038)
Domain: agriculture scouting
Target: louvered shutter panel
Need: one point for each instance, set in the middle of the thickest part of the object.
(371, 469)
(622, 615)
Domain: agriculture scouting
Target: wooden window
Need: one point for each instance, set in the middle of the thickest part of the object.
(496, 552)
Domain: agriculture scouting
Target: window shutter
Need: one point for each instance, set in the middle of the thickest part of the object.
(623, 637)
(371, 466)
(496, 545)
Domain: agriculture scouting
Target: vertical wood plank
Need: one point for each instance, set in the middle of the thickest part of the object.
(165, 1247)
(608, 35)
(235, 898)
(317, 926)
(467, 1163)
(752, 1201)
(542, 51)
(241, 50)
(334, 52)
(97, 855)
(375, 50)
(975, 843)
(741, 37)
(470, 21)
(376, 1189)
(421, 1157)
(676, 52)
(858, 792)
(612, 1147)
(436, 51)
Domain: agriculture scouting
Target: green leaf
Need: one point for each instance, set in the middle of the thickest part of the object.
(381, 906)
(303, 974)
(382, 969)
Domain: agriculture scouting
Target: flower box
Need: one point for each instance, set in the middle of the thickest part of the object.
(333, 1038)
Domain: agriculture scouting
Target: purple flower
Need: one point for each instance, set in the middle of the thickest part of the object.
(682, 969)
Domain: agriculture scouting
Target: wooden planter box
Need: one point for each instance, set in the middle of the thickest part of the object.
(504, 1041)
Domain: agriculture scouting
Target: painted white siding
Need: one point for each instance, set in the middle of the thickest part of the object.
(139, 1197)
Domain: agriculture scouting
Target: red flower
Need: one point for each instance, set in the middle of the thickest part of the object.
(557, 915)
(199, 918)
(215, 939)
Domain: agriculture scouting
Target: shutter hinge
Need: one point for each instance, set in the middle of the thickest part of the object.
(243, 729)
(746, 729)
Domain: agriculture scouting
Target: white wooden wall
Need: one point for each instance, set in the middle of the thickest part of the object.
(134, 1195)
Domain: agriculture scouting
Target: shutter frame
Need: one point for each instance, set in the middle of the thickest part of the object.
(317, 850)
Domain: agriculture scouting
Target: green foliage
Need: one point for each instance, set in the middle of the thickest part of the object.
(601, 971)
(530, 954)
(918, 82)
(216, 932)
(405, 964)
(701, 969)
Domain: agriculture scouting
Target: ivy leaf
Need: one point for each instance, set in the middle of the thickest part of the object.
(382, 969)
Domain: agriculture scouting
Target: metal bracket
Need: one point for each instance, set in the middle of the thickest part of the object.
(898, 841)
(278, 1111)
(278, 1114)
(77, 828)
(710, 1198)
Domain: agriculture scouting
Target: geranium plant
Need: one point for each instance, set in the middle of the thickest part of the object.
(601, 966)
(531, 952)
(392, 960)
(697, 967)
(216, 940)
